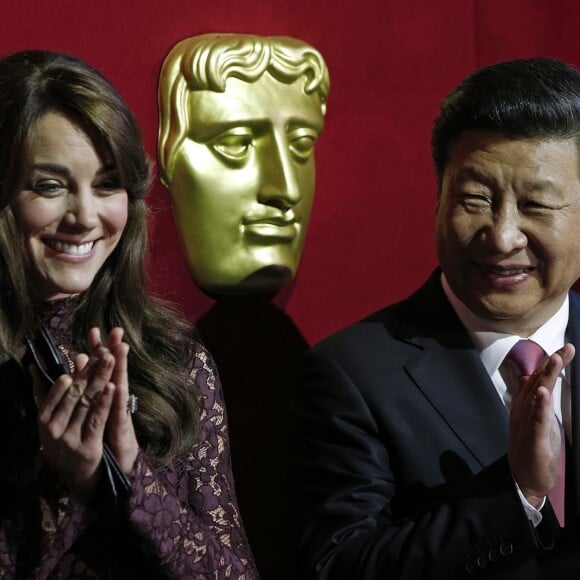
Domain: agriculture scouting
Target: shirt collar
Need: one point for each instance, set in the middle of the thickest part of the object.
(493, 346)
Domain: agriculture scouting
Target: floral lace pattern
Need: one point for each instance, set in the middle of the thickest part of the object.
(181, 521)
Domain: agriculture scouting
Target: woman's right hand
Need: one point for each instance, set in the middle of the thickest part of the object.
(72, 417)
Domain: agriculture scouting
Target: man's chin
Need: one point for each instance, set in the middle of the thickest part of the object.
(513, 316)
(498, 306)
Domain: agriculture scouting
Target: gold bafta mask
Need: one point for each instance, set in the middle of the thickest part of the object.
(239, 116)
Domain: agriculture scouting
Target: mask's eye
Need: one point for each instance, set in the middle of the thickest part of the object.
(301, 143)
(234, 145)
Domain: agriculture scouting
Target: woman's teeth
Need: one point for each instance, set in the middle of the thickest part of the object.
(71, 249)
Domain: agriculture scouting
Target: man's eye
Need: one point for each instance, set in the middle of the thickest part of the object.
(301, 143)
(233, 146)
(532, 205)
(473, 201)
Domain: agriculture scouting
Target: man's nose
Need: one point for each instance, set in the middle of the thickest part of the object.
(504, 233)
(279, 183)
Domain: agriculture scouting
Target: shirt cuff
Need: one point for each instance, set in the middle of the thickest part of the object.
(534, 514)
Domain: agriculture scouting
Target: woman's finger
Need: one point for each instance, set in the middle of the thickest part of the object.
(48, 397)
(81, 361)
(115, 337)
(78, 397)
(120, 372)
(94, 340)
(93, 428)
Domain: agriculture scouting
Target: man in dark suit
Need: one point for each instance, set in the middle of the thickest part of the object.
(423, 450)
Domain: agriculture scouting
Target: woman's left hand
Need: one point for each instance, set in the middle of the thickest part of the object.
(120, 433)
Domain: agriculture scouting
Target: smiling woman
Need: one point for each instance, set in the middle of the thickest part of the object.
(73, 240)
(71, 210)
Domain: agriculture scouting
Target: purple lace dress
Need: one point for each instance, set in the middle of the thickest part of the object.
(181, 521)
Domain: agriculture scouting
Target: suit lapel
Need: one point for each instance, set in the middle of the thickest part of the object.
(449, 372)
(457, 385)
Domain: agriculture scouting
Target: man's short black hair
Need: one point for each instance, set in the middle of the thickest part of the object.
(536, 97)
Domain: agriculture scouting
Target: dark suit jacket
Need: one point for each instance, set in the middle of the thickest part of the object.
(399, 468)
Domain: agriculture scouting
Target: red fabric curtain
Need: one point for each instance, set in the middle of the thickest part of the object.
(370, 239)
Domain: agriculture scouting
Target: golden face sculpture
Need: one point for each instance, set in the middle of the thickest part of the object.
(239, 117)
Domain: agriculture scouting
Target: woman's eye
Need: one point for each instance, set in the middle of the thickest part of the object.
(301, 143)
(47, 187)
(110, 185)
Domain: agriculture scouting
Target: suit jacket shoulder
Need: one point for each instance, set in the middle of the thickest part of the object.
(400, 331)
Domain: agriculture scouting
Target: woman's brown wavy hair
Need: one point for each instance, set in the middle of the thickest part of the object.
(33, 83)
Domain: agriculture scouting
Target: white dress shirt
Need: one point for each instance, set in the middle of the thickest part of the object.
(493, 347)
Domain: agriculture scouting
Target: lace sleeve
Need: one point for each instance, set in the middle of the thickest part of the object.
(187, 511)
(35, 538)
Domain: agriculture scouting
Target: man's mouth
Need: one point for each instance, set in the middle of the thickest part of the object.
(508, 271)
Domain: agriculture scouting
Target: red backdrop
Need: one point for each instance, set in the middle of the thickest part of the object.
(391, 62)
(370, 240)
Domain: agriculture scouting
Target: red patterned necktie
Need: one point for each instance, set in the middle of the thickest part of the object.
(525, 357)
